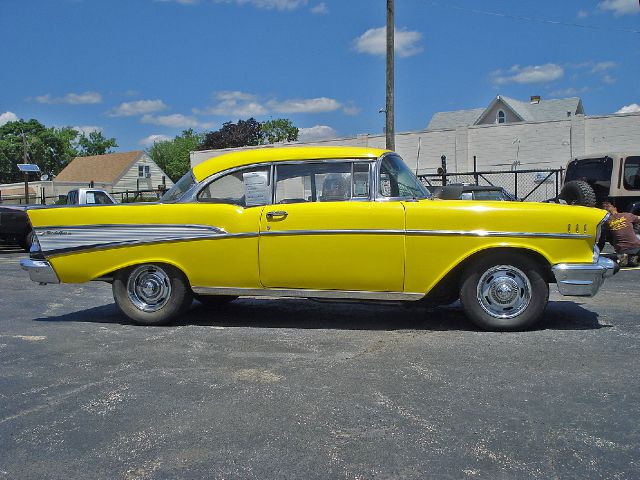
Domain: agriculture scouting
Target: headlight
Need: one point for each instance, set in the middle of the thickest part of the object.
(596, 253)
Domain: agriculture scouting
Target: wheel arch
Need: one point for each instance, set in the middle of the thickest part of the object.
(450, 282)
(108, 276)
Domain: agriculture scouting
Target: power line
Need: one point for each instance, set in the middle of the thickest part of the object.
(530, 19)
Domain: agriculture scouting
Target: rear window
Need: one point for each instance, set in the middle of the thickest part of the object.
(591, 170)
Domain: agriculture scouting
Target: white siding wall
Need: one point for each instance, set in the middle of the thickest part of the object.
(616, 133)
(533, 145)
(131, 181)
(542, 145)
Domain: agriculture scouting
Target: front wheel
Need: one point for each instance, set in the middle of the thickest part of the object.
(504, 293)
(151, 294)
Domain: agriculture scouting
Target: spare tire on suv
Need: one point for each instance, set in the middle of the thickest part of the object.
(578, 192)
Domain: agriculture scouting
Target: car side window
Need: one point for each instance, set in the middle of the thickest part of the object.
(245, 188)
(322, 182)
(632, 173)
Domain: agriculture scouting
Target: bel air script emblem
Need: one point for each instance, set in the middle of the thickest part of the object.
(54, 232)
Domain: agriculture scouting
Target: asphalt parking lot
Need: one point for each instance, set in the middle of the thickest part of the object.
(266, 388)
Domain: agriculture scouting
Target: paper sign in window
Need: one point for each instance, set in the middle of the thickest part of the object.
(256, 188)
(91, 197)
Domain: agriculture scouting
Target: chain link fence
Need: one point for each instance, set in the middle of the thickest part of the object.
(526, 185)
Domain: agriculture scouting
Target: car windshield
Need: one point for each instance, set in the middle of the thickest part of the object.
(175, 193)
(396, 180)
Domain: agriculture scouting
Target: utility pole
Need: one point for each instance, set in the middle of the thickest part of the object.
(390, 129)
(25, 159)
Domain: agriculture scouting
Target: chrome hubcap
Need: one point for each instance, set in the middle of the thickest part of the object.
(149, 288)
(504, 291)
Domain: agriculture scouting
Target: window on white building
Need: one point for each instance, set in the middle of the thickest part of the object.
(501, 117)
(144, 171)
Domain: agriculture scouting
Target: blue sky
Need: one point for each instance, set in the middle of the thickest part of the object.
(140, 70)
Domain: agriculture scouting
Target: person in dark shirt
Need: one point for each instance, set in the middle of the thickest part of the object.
(620, 233)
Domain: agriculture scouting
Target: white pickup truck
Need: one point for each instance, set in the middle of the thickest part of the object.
(89, 196)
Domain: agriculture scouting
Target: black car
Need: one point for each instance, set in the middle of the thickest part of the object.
(15, 226)
(460, 191)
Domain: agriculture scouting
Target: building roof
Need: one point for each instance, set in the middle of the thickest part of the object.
(542, 111)
(98, 168)
(455, 119)
(262, 155)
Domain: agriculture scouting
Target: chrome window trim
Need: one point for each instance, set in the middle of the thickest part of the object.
(199, 187)
(351, 161)
(309, 293)
(190, 196)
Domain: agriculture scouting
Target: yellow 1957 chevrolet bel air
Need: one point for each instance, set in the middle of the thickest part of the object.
(321, 222)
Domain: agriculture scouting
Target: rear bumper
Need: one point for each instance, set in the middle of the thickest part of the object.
(583, 279)
(40, 271)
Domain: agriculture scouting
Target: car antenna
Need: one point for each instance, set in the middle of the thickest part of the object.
(418, 155)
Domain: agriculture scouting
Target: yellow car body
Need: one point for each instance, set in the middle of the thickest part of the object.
(372, 245)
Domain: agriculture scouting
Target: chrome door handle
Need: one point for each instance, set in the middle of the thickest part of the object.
(277, 213)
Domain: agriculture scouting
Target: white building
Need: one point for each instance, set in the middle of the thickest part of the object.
(507, 134)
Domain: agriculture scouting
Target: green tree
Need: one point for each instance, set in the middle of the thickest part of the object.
(232, 135)
(173, 155)
(95, 144)
(49, 148)
(278, 130)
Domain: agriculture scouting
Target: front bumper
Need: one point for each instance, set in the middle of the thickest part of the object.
(40, 271)
(583, 279)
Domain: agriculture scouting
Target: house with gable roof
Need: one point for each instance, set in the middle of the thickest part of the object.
(113, 172)
(509, 110)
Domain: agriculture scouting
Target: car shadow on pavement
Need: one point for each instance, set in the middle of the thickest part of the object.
(307, 314)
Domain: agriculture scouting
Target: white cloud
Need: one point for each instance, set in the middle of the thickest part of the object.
(568, 92)
(321, 9)
(87, 129)
(620, 7)
(374, 42)
(176, 120)
(583, 14)
(7, 117)
(242, 104)
(633, 108)
(529, 74)
(269, 4)
(319, 132)
(72, 98)
(139, 107)
(600, 67)
(609, 79)
(309, 105)
(234, 103)
(151, 139)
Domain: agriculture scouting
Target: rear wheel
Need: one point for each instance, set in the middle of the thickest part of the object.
(504, 292)
(151, 294)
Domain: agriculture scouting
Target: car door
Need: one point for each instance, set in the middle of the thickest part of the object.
(232, 203)
(325, 232)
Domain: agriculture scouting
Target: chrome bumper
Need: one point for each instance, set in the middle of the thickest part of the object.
(583, 279)
(40, 271)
